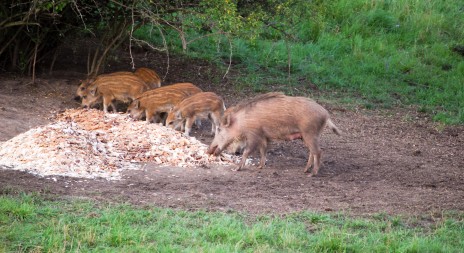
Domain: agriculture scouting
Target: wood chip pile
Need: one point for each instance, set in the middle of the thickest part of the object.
(89, 143)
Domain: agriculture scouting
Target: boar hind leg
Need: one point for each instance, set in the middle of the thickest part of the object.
(262, 151)
(310, 162)
(215, 121)
(113, 107)
(314, 155)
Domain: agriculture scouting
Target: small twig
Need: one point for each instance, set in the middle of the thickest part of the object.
(230, 57)
(167, 52)
(80, 15)
(35, 58)
(130, 37)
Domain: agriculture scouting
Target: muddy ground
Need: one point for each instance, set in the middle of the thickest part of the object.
(391, 161)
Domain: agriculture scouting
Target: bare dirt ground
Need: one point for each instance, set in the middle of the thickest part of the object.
(395, 162)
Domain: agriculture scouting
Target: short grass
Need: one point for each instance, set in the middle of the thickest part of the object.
(31, 223)
(381, 54)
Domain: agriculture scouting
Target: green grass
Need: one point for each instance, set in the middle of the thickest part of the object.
(381, 53)
(32, 223)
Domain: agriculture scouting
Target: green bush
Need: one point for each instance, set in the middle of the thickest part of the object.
(381, 53)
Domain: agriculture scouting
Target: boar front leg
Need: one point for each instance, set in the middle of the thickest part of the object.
(149, 116)
(245, 155)
(251, 144)
(107, 102)
(188, 125)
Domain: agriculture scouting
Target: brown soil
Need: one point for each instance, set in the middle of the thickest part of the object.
(394, 162)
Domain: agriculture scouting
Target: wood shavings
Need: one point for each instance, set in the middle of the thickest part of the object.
(89, 143)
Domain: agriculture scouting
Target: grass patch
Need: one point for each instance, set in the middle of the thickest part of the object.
(31, 223)
(384, 53)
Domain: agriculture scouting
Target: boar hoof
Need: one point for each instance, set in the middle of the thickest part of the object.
(312, 174)
(239, 168)
(307, 169)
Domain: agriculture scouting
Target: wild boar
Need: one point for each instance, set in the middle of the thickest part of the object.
(186, 88)
(203, 105)
(254, 123)
(122, 87)
(84, 84)
(149, 76)
(154, 102)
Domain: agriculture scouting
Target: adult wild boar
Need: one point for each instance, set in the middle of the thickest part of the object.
(273, 116)
(203, 105)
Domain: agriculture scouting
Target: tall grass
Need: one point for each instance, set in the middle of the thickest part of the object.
(383, 53)
(29, 223)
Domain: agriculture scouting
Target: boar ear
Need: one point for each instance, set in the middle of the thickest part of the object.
(228, 120)
(93, 92)
(178, 115)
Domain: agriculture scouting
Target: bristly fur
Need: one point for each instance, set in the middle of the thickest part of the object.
(252, 101)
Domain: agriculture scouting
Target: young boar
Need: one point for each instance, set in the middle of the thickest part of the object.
(122, 87)
(154, 102)
(186, 88)
(203, 105)
(82, 89)
(149, 76)
(253, 123)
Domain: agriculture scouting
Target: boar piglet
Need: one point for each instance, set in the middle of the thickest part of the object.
(203, 105)
(84, 84)
(122, 87)
(153, 103)
(149, 76)
(186, 88)
(273, 116)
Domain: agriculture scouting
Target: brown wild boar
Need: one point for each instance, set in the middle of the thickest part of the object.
(203, 105)
(84, 84)
(122, 87)
(186, 88)
(254, 123)
(154, 102)
(149, 76)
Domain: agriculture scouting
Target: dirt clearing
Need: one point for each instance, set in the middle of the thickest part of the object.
(395, 162)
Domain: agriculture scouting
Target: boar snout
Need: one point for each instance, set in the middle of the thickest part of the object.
(215, 150)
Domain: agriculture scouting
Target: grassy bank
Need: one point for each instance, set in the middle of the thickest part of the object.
(379, 54)
(31, 223)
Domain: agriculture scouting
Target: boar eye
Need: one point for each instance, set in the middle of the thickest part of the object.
(82, 88)
(84, 96)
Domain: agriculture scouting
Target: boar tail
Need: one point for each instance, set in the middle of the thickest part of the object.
(333, 127)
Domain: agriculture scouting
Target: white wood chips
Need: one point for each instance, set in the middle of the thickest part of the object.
(90, 144)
